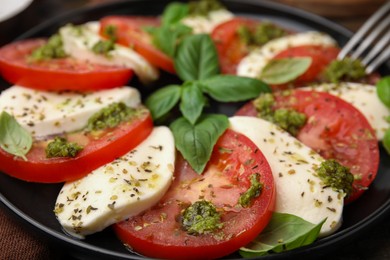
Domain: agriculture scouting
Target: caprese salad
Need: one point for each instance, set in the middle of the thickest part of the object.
(171, 180)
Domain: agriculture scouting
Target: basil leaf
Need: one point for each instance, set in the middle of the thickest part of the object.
(283, 232)
(173, 13)
(192, 102)
(14, 139)
(281, 71)
(163, 100)
(166, 38)
(196, 58)
(386, 141)
(229, 88)
(196, 142)
(383, 90)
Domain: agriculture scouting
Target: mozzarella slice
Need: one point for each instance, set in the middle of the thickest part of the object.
(252, 65)
(46, 113)
(206, 24)
(120, 189)
(299, 191)
(365, 99)
(78, 42)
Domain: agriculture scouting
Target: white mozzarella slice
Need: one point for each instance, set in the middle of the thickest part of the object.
(45, 113)
(365, 99)
(252, 65)
(299, 190)
(206, 24)
(120, 189)
(78, 42)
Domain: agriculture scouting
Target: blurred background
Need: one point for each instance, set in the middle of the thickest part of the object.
(350, 13)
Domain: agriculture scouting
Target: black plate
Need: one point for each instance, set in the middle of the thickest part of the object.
(33, 203)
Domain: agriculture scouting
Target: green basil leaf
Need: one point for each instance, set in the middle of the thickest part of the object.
(383, 90)
(229, 88)
(196, 58)
(283, 232)
(173, 13)
(163, 100)
(14, 139)
(386, 141)
(192, 102)
(166, 38)
(196, 142)
(281, 71)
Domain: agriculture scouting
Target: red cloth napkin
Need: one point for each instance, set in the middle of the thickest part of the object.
(16, 242)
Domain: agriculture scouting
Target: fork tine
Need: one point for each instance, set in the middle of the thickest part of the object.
(385, 56)
(363, 30)
(370, 38)
(379, 46)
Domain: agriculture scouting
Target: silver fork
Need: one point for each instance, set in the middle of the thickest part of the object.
(375, 30)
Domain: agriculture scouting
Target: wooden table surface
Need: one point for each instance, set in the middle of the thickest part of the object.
(17, 242)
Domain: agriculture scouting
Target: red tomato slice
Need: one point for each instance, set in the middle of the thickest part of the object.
(231, 49)
(158, 233)
(321, 57)
(130, 33)
(98, 150)
(336, 130)
(56, 74)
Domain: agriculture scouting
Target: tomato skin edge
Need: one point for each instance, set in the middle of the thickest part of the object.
(70, 169)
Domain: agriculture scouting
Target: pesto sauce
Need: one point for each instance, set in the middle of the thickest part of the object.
(53, 49)
(336, 176)
(203, 7)
(60, 147)
(346, 69)
(263, 33)
(201, 218)
(103, 47)
(287, 119)
(253, 192)
(111, 116)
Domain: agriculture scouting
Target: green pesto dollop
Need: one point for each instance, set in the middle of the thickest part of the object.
(336, 176)
(103, 47)
(346, 69)
(263, 33)
(111, 116)
(53, 49)
(111, 32)
(60, 147)
(203, 7)
(287, 119)
(253, 192)
(201, 218)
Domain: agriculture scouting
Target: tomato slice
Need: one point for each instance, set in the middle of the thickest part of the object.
(336, 130)
(56, 74)
(231, 49)
(99, 149)
(321, 57)
(158, 232)
(129, 32)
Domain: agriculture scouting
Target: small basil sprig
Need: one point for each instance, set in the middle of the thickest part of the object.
(14, 139)
(383, 92)
(284, 232)
(196, 141)
(280, 71)
(196, 63)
